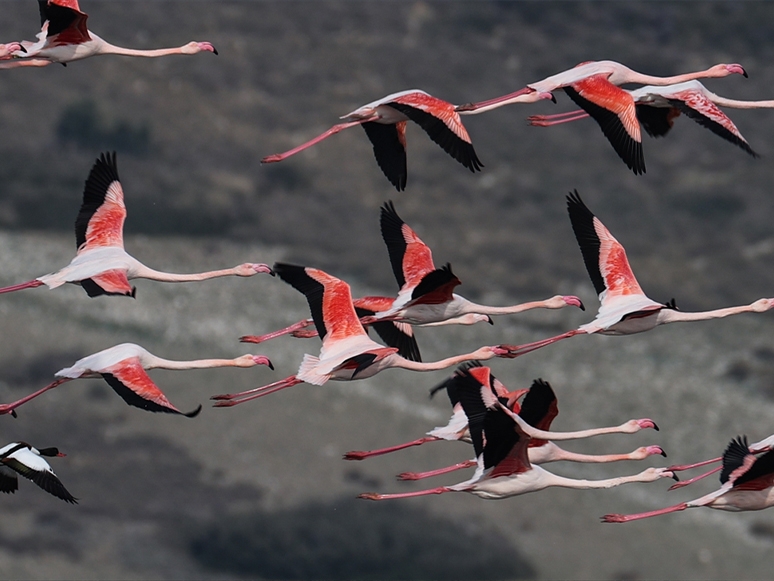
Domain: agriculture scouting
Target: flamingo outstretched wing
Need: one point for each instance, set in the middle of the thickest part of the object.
(100, 221)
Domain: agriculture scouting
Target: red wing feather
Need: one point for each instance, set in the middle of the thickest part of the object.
(131, 375)
(613, 264)
(113, 282)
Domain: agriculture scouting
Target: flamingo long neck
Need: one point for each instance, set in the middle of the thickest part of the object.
(443, 363)
(555, 480)
(470, 307)
(565, 455)
(673, 316)
(736, 104)
(159, 363)
(149, 273)
(103, 47)
(535, 433)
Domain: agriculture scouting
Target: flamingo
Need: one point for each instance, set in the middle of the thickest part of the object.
(425, 298)
(347, 351)
(759, 447)
(425, 295)
(63, 38)
(594, 86)
(384, 121)
(657, 108)
(21, 458)
(123, 367)
(747, 483)
(101, 266)
(625, 309)
(538, 409)
(504, 468)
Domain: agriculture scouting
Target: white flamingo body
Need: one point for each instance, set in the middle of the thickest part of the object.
(124, 368)
(624, 307)
(64, 37)
(347, 353)
(504, 468)
(747, 483)
(101, 265)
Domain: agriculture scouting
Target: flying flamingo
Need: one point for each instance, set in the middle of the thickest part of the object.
(594, 86)
(747, 483)
(347, 351)
(63, 38)
(425, 294)
(759, 447)
(385, 121)
(425, 298)
(502, 451)
(123, 367)
(21, 458)
(657, 107)
(624, 309)
(538, 409)
(101, 266)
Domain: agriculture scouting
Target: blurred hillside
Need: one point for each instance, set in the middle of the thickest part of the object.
(165, 497)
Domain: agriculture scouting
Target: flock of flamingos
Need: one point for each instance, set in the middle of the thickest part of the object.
(509, 430)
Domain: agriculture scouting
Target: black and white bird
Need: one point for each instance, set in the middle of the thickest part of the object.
(21, 458)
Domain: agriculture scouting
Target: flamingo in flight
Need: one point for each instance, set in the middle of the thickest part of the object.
(21, 458)
(63, 38)
(347, 351)
(123, 367)
(595, 86)
(747, 483)
(425, 298)
(538, 409)
(624, 309)
(501, 440)
(657, 107)
(384, 121)
(759, 447)
(101, 266)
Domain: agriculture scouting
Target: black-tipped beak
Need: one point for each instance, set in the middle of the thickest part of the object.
(663, 453)
(655, 427)
(744, 72)
(581, 306)
(21, 48)
(214, 50)
(675, 478)
(489, 320)
(271, 366)
(553, 98)
(13, 414)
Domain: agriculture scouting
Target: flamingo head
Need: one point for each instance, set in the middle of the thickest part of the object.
(194, 47)
(762, 305)
(252, 360)
(723, 70)
(7, 50)
(251, 268)
(644, 424)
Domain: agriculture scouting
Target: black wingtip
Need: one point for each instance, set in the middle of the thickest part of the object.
(194, 413)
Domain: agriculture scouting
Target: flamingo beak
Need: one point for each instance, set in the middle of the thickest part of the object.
(738, 69)
(263, 360)
(13, 414)
(489, 320)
